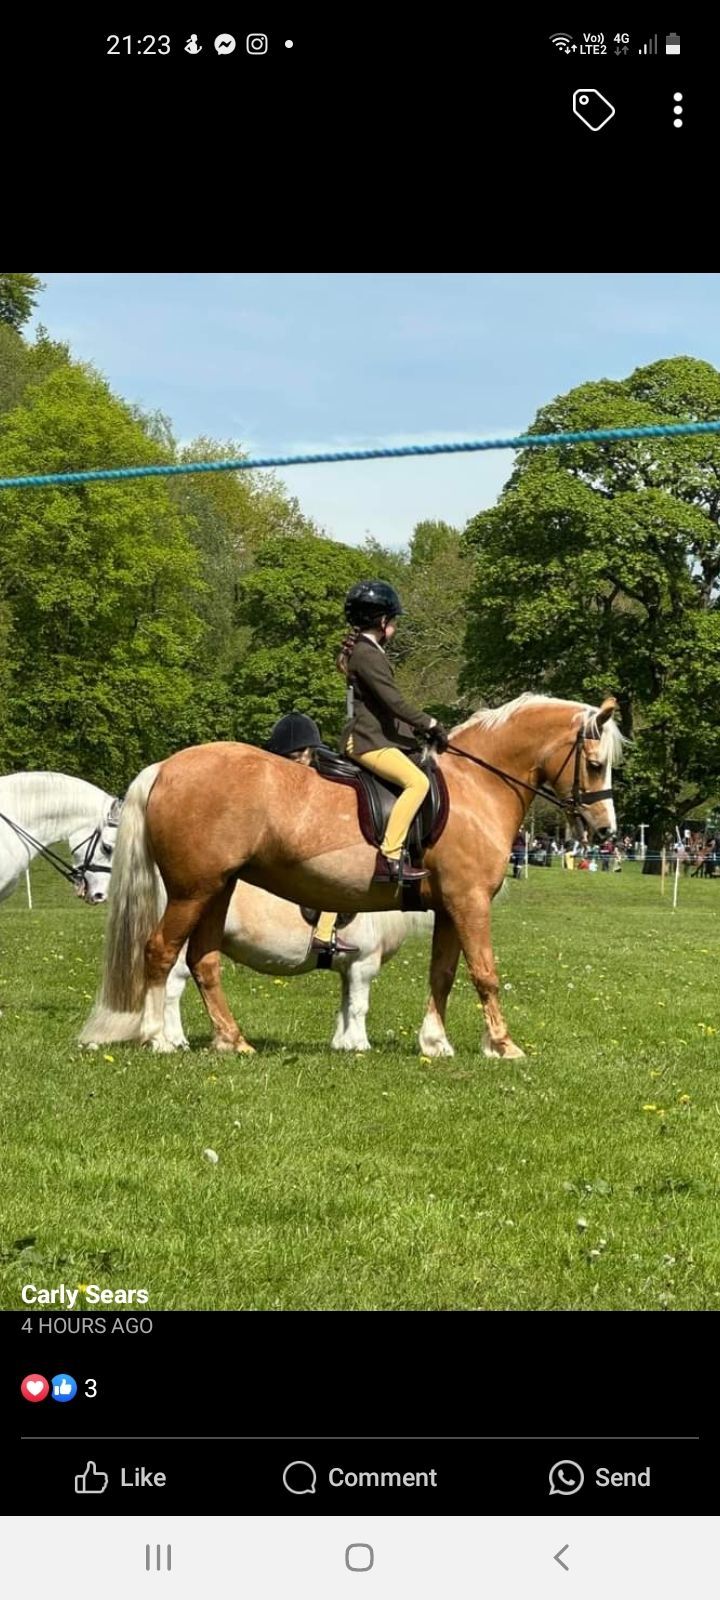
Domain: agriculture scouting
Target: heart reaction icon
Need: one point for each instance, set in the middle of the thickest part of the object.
(34, 1387)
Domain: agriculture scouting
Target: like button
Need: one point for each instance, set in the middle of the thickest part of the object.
(91, 1481)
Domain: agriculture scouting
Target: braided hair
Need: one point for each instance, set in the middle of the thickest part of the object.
(342, 660)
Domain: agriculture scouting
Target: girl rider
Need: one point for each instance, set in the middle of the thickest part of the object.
(381, 724)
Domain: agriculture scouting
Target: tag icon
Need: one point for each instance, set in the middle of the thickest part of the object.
(592, 108)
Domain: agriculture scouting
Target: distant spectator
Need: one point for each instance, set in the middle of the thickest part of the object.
(517, 855)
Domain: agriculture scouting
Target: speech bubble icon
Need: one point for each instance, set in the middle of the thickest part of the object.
(300, 1477)
(566, 1477)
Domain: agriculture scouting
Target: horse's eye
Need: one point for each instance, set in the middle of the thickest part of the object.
(594, 766)
(106, 849)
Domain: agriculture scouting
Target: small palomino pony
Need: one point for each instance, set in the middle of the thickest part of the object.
(216, 813)
(271, 935)
(38, 809)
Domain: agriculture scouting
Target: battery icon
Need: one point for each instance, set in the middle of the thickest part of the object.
(672, 44)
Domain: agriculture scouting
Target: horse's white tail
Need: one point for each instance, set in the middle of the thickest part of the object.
(134, 908)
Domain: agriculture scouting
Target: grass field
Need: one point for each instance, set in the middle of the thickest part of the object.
(586, 1177)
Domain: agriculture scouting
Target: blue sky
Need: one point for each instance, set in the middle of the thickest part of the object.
(286, 362)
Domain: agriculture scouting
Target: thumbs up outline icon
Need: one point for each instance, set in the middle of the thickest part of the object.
(91, 1481)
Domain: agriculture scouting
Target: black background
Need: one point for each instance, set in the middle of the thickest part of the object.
(443, 139)
(378, 1391)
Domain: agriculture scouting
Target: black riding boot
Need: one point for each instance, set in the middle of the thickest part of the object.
(389, 871)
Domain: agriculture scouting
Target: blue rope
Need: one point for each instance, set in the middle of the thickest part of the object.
(522, 441)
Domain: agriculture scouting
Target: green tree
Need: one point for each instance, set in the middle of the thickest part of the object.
(291, 602)
(432, 539)
(431, 637)
(18, 293)
(599, 570)
(380, 562)
(230, 516)
(97, 591)
(22, 364)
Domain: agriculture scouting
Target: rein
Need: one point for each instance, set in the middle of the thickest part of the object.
(572, 804)
(74, 875)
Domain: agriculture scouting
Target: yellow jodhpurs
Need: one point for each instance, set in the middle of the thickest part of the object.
(398, 768)
(325, 925)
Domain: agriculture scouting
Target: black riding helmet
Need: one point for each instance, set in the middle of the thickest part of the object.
(294, 732)
(366, 602)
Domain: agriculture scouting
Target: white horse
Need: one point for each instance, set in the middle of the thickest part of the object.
(40, 808)
(271, 935)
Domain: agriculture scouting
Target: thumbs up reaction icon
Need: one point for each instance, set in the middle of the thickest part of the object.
(64, 1387)
(91, 1481)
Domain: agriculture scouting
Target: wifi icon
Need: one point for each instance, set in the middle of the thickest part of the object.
(562, 41)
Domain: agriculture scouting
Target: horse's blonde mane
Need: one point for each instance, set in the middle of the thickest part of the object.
(611, 740)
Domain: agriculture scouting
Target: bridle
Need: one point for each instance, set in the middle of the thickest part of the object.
(76, 875)
(571, 804)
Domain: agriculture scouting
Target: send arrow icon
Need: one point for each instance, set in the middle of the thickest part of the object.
(558, 1555)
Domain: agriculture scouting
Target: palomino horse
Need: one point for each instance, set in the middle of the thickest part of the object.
(216, 813)
(37, 809)
(271, 935)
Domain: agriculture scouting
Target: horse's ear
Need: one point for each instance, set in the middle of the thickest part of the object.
(607, 708)
(114, 812)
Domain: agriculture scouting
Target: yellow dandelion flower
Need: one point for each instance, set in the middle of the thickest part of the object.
(108, 1058)
(684, 1099)
(649, 1108)
(426, 1060)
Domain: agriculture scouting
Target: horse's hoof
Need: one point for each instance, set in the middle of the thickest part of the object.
(437, 1047)
(238, 1047)
(503, 1050)
(347, 1044)
(161, 1045)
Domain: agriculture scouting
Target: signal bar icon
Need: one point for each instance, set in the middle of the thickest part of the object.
(649, 49)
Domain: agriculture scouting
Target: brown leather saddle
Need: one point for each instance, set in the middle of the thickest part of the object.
(375, 800)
